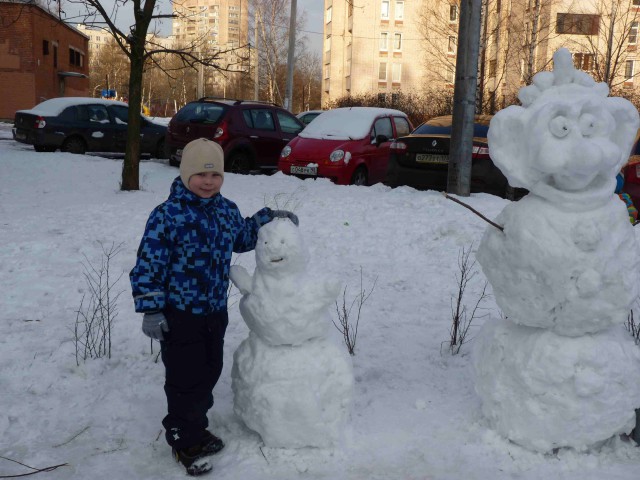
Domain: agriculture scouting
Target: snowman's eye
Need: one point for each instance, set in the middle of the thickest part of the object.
(559, 127)
(266, 243)
(282, 242)
(588, 124)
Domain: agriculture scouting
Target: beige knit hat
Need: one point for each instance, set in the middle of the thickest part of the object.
(201, 155)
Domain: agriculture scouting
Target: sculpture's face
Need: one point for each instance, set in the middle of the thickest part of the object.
(571, 146)
(280, 249)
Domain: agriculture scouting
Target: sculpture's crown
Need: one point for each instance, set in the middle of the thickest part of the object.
(564, 80)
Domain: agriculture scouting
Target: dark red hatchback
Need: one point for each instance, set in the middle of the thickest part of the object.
(251, 133)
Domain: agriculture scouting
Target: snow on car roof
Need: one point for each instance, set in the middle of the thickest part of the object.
(55, 106)
(348, 123)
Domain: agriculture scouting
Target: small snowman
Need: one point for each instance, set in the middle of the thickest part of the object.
(559, 371)
(292, 384)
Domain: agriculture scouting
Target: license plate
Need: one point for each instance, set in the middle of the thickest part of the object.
(304, 170)
(429, 158)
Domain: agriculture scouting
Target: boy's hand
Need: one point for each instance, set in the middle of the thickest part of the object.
(153, 324)
(285, 214)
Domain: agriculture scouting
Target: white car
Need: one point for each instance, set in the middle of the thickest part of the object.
(308, 116)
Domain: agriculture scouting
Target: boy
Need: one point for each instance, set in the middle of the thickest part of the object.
(180, 283)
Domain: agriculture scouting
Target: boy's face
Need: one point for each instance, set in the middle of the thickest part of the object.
(206, 184)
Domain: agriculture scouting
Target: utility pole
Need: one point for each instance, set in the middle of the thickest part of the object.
(612, 21)
(459, 173)
(292, 46)
(256, 39)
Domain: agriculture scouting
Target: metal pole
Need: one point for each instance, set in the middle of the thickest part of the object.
(292, 46)
(460, 152)
(612, 21)
(256, 39)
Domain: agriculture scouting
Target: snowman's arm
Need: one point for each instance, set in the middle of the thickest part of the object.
(240, 278)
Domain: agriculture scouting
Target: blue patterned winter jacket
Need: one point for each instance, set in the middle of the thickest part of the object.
(185, 252)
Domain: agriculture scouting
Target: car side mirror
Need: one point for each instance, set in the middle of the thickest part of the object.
(381, 139)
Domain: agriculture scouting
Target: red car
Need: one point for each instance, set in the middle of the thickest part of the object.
(346, 145)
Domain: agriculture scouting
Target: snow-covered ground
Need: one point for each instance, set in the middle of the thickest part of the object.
(415, 414)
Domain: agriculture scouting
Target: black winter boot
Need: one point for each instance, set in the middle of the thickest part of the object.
(194, 459)
(210, 443)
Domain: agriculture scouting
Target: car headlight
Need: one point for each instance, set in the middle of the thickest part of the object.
(336, 155)
(285, 151)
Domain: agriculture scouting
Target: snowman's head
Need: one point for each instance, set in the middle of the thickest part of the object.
(280, 249)
(568, 140)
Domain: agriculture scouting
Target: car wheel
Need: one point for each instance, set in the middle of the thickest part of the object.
(359, 176)
(239, 162)
(161, 150)
(42, 148)
(74, 145)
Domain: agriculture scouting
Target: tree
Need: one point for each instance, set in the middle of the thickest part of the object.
(140, 49)
(605, 55)
(272, 17)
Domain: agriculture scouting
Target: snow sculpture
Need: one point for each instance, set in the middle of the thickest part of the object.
(557, 372)
(292, 384)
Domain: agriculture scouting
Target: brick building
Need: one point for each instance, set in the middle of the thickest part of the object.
(41, 57)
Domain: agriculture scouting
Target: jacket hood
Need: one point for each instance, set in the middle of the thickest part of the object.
(182, 194)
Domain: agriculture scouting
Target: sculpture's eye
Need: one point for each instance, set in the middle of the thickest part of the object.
(559, 126)
(588, 124)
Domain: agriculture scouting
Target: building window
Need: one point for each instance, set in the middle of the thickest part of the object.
(382, 98)
(328, 15)
(396, 72)
(492, 68)
(399, 10)
(326, 72)
(453, 13)
(327, 43)
(382, 71)
(628, 70)
(384, 13)
(577, 24)
(45, 47)
(636, 3)
(633, 33)
(584, 61)
(451, 47)
(450, 74)
(384, 41)
(397, 41)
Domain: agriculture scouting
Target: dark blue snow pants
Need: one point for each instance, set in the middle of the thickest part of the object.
(192, 356)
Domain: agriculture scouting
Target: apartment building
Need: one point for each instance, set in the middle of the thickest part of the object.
(370, 46)
(386, 46)
(219, 25)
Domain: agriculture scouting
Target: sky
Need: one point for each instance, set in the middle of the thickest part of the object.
(415, 413)
(312, 8)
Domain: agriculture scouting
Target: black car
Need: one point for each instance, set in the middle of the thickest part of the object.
(81, 124)
(421, 159)
(251, 133)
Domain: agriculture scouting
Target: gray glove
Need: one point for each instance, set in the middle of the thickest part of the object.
(285, 214)
(153, 324)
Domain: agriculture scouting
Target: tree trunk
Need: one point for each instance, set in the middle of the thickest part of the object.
(131, 165)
